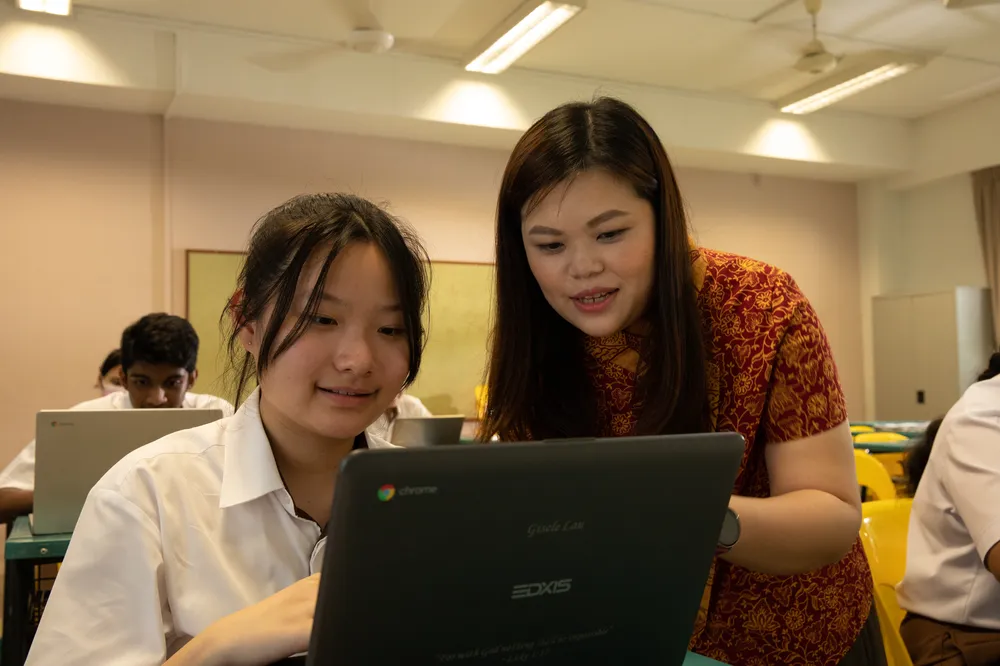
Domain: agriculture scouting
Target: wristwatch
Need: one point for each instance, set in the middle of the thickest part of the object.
(730, 533)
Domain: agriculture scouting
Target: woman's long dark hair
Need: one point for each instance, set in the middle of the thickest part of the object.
(916, 459)
(281, 244)
(537, 386)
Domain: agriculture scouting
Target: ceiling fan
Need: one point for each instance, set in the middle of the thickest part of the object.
(367, 36)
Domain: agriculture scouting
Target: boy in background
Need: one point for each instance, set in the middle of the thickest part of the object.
(159, 355)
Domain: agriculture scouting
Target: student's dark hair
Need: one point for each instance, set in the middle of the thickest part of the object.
(282, 243)
(916, 459)
(537, 385)
(160, 339)
(111, 361)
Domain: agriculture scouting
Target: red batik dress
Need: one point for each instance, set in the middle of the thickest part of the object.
(771, 378)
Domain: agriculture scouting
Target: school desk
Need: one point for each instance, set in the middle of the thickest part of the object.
(22, 600)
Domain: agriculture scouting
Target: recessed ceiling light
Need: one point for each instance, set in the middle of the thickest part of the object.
(59, 7)
(530, 24)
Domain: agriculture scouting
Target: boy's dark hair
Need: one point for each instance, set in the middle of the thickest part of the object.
(112, 361)
(160, 339)
(282, 243)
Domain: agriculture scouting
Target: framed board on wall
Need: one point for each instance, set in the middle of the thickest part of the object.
(458, 322)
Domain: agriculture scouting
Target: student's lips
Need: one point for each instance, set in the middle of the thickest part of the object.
(344, 396)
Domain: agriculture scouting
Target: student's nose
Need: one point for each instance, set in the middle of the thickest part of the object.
(354, 354)
(584, 262)
(157, 397)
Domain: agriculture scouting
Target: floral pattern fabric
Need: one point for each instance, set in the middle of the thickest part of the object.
(771, 378)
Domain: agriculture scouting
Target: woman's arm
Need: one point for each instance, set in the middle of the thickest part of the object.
(814, 513)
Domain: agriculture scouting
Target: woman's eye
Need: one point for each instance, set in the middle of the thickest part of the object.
(611, 235)
(550, 247)
(324, 321)
(392, 331)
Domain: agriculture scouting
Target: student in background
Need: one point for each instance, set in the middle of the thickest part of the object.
(631, 329)
(204, 547)
(405, 406)
(951, 589)
(109, 377)
(159, 355)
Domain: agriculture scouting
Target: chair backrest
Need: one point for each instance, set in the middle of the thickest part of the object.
(856, 429)
(884, 529)
(879, 438)
(873, 475)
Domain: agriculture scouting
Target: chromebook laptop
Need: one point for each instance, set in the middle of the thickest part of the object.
(584, 553)
(427, 430)
(74, 449)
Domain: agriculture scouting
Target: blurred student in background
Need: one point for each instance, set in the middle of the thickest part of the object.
(404, 406)
(951, 590)
(159, 358)
(109, 377)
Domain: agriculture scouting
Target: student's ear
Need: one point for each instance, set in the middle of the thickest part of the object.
(248, 338)
(123, 377)
(192, 377)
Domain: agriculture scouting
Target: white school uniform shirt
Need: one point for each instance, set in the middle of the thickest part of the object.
(956, 517)
(406, 406)
(179, 534)
(20, 473)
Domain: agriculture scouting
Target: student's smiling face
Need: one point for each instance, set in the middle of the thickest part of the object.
(350, 363)
(590, 245)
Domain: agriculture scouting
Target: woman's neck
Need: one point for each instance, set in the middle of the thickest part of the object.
(299, 452)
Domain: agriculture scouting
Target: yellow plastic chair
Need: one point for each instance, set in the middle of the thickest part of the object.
(884, 528)
(857, 429)
(480, 400)
(879, 438)
(874, 476)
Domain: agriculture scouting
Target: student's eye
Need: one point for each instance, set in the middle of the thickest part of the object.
(320, 320)
(550, 247)
(392, 331)
(611, 235)
(140, 382)
(173, 383)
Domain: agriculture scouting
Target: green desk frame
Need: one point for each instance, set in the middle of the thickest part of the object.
(23, 552)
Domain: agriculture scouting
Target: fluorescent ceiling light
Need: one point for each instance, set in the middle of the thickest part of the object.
(522, 31)
(878, 69)
(60, 7)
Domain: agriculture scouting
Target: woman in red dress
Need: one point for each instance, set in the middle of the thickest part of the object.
(611, 322)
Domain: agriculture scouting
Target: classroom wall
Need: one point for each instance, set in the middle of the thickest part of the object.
(117, 225)
(80, 253)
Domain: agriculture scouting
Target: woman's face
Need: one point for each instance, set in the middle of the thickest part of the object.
(590, 245)
(352, 360)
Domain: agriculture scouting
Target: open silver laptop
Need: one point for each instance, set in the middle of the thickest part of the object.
(427, 430)
(74, 449)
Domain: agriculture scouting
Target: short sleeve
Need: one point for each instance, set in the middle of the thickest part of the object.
(20, 473)
(107, 605)
(972, 475)
(804, 397)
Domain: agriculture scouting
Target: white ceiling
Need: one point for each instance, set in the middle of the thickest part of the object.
(711, 47)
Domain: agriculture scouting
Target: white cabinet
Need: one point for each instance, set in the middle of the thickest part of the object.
(928, 349)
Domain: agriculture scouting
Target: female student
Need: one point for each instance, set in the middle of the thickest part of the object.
(203, 548)
(951, 590)
(611, 322)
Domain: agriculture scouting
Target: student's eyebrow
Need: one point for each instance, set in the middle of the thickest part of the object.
(330, 298)
(597, 220)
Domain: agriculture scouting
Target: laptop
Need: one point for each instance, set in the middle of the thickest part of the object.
(584, 553)
(74, 449)
(427, 430)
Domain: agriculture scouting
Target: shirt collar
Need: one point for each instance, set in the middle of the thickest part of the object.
(249, 470)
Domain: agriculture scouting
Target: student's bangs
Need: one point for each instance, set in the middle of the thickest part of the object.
(282, 245)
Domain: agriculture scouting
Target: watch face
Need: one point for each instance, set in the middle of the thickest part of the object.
(730, 529)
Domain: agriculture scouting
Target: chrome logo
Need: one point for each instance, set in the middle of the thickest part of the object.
(386, 492)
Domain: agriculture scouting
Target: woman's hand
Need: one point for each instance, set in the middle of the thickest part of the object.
(276, 628)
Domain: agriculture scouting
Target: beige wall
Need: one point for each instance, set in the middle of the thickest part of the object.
(92, 181)
(79, 195)
(809, 229)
